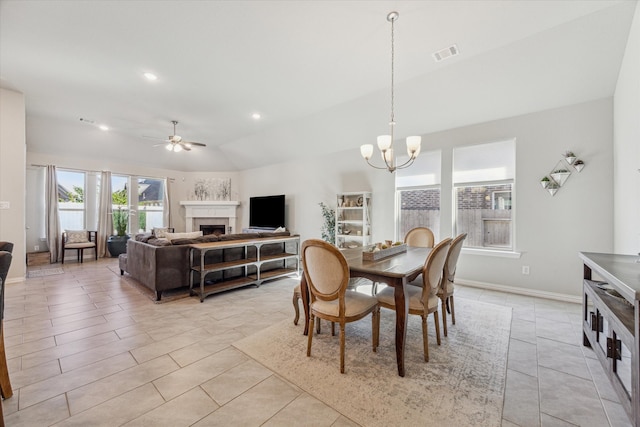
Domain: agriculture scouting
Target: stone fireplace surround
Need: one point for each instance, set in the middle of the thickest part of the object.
(209, 212)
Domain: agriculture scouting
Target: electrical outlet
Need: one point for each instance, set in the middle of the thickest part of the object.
(525, 270)
(36, 248)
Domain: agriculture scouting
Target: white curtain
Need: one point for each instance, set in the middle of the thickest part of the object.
(166, 211)
(105, 214)
(53, 217)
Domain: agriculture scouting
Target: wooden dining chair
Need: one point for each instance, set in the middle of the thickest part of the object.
(421, 237)
(327, 274)
(423, 300)
(448, 275)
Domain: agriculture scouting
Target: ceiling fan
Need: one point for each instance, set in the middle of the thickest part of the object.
(175, 142)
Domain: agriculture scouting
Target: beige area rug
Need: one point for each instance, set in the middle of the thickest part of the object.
(462, 384)
(167, 296)
(45, 272)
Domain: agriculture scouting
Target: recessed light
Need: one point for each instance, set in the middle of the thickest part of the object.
(150, 76)
(256, 116)
(104, 127)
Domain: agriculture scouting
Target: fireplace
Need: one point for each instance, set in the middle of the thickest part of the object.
(212, 229)
(219, 214)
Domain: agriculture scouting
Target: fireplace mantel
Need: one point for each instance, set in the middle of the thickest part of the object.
(210, 209)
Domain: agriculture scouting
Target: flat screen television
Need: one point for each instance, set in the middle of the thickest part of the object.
(266, 211)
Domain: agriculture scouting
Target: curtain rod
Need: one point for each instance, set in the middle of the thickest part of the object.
(116, 173)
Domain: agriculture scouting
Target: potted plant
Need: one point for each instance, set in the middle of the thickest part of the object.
(560, 175)
(118, 244)
(569, 157)
(328, 229)
(544, 182)
(578, 165)
(552, 188)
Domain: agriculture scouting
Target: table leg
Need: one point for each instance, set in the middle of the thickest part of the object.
(402, 313)
(304, 293)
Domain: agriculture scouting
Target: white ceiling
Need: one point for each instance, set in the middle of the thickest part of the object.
(317, 71)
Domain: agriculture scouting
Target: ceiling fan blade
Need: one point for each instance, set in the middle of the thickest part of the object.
(185, 148)
(155, 137)
(199, 144)
(162, 144)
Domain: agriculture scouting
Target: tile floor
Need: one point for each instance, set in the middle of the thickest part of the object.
(85, 348)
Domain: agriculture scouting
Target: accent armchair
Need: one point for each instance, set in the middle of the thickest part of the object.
(79, 240)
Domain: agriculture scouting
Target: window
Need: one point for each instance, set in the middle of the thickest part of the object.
(71, 195)
(418, 195)
(150, 203)
(483, 178)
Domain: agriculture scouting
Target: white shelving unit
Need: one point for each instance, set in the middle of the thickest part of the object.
(353, 219)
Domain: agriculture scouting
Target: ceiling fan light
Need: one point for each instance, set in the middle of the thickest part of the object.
(177, 148)
(187, 144)
(169, 146)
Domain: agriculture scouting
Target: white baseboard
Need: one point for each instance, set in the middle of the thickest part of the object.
(521, 291)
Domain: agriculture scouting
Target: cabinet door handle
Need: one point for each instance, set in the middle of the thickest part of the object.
(600, 323)
(610, 349)
(594, 322)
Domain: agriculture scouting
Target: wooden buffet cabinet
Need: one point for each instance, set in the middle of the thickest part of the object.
(252, 267)
(611, 322)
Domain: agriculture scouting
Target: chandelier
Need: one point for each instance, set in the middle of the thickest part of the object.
(385, 142)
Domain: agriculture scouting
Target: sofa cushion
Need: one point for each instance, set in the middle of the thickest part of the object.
(143, 237)
(160, 232)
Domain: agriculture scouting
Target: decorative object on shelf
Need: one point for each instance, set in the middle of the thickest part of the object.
(329, 224)
(561, 172)
(385, 142)
(352, 219)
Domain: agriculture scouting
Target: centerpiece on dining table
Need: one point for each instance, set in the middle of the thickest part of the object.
(383, 250)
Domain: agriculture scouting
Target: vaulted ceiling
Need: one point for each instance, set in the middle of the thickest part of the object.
(318, 72)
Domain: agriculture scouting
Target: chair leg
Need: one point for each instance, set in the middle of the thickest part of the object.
(375, 319)
(342, 348)
(453, 312)
(425, 337)
(296, 297)
(5, 382)
(333, 329)
(62, 256)
(444, 316)
(436, 320)
(310, 335)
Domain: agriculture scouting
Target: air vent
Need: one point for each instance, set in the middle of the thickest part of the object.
(445, 53)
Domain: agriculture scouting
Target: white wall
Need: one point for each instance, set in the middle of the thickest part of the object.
(550, 231)
(626, 147)
(12, 177)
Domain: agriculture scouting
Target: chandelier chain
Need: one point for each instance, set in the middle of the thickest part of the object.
(393, 119)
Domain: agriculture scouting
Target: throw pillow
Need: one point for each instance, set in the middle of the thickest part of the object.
(174, 236)
(77, 236)
(160, 232)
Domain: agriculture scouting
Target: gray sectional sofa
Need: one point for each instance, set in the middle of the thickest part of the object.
(161, 265)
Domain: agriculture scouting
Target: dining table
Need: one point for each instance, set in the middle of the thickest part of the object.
(395, 271)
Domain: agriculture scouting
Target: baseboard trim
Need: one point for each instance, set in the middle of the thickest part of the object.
(521, 291)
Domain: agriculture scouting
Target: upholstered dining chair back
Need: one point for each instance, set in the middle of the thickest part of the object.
(433, 268)
(452, 258)
(6, 246)
(421, 237)
(326, 269)
(327, 275)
